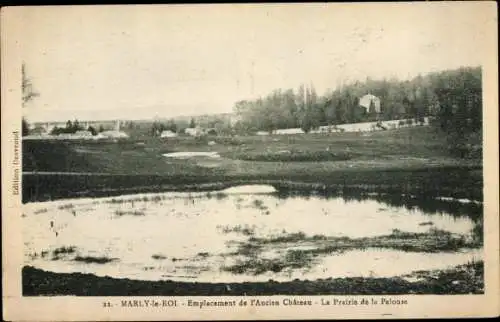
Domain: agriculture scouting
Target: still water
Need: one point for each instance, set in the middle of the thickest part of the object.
(198, 236)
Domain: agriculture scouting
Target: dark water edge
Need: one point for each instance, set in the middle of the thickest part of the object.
(464, 279)
(450, 181)
(392, 196)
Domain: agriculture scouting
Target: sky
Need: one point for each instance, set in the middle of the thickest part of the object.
(140, 62)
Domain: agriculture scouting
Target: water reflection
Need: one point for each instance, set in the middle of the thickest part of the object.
(429, 205)
(152, 236)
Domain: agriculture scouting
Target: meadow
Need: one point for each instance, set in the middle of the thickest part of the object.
(412, 160)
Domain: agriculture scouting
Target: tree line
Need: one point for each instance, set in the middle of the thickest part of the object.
(73, 127)
(214, 125)
(454, 97)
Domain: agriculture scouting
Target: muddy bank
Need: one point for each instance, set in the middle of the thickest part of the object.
(465, 279)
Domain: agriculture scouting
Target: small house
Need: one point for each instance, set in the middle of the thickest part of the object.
(168, 134)
(370, 101)
(193, 131)
(113, 135)
(83, 134)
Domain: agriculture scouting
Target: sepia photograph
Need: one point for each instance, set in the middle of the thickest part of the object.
(205, 154)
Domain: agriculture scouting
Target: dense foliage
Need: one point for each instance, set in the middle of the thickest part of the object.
(71, 127)
(453, 96)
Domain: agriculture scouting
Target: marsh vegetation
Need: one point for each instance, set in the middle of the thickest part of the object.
(252, 238)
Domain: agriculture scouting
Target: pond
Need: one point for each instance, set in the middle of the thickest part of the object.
(242, 235)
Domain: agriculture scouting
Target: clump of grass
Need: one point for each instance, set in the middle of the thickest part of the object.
(203, 254)
(433, 241)
(158, 256)
(257, 266)
(94, 260)
(64, 250)
(426, 223)
(289, 238)
(248, 249)
(297, 258)
(220, 195)
(67, 206)
(132, 213)
(397, 233)
(41, 211)
(257, 203)
(245, 230)
(156, 198)
(116, 201)
(478, 232)
(33, 255)
(436, 231)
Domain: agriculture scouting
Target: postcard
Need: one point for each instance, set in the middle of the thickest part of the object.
(250, 161)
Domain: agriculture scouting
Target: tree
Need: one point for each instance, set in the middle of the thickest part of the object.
(76, 127)
(171, 126)
(372, 110)
(25, 127)
(27, 87)
(192, 124)
(329, 111)
(459, 115)
(157, 128)
(92, 130)
(55, 131)
(27, 95)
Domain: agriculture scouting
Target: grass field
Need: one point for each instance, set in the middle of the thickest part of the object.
(410, 160)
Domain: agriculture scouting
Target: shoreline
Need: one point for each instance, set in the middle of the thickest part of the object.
(422, 181)
(463, 279)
